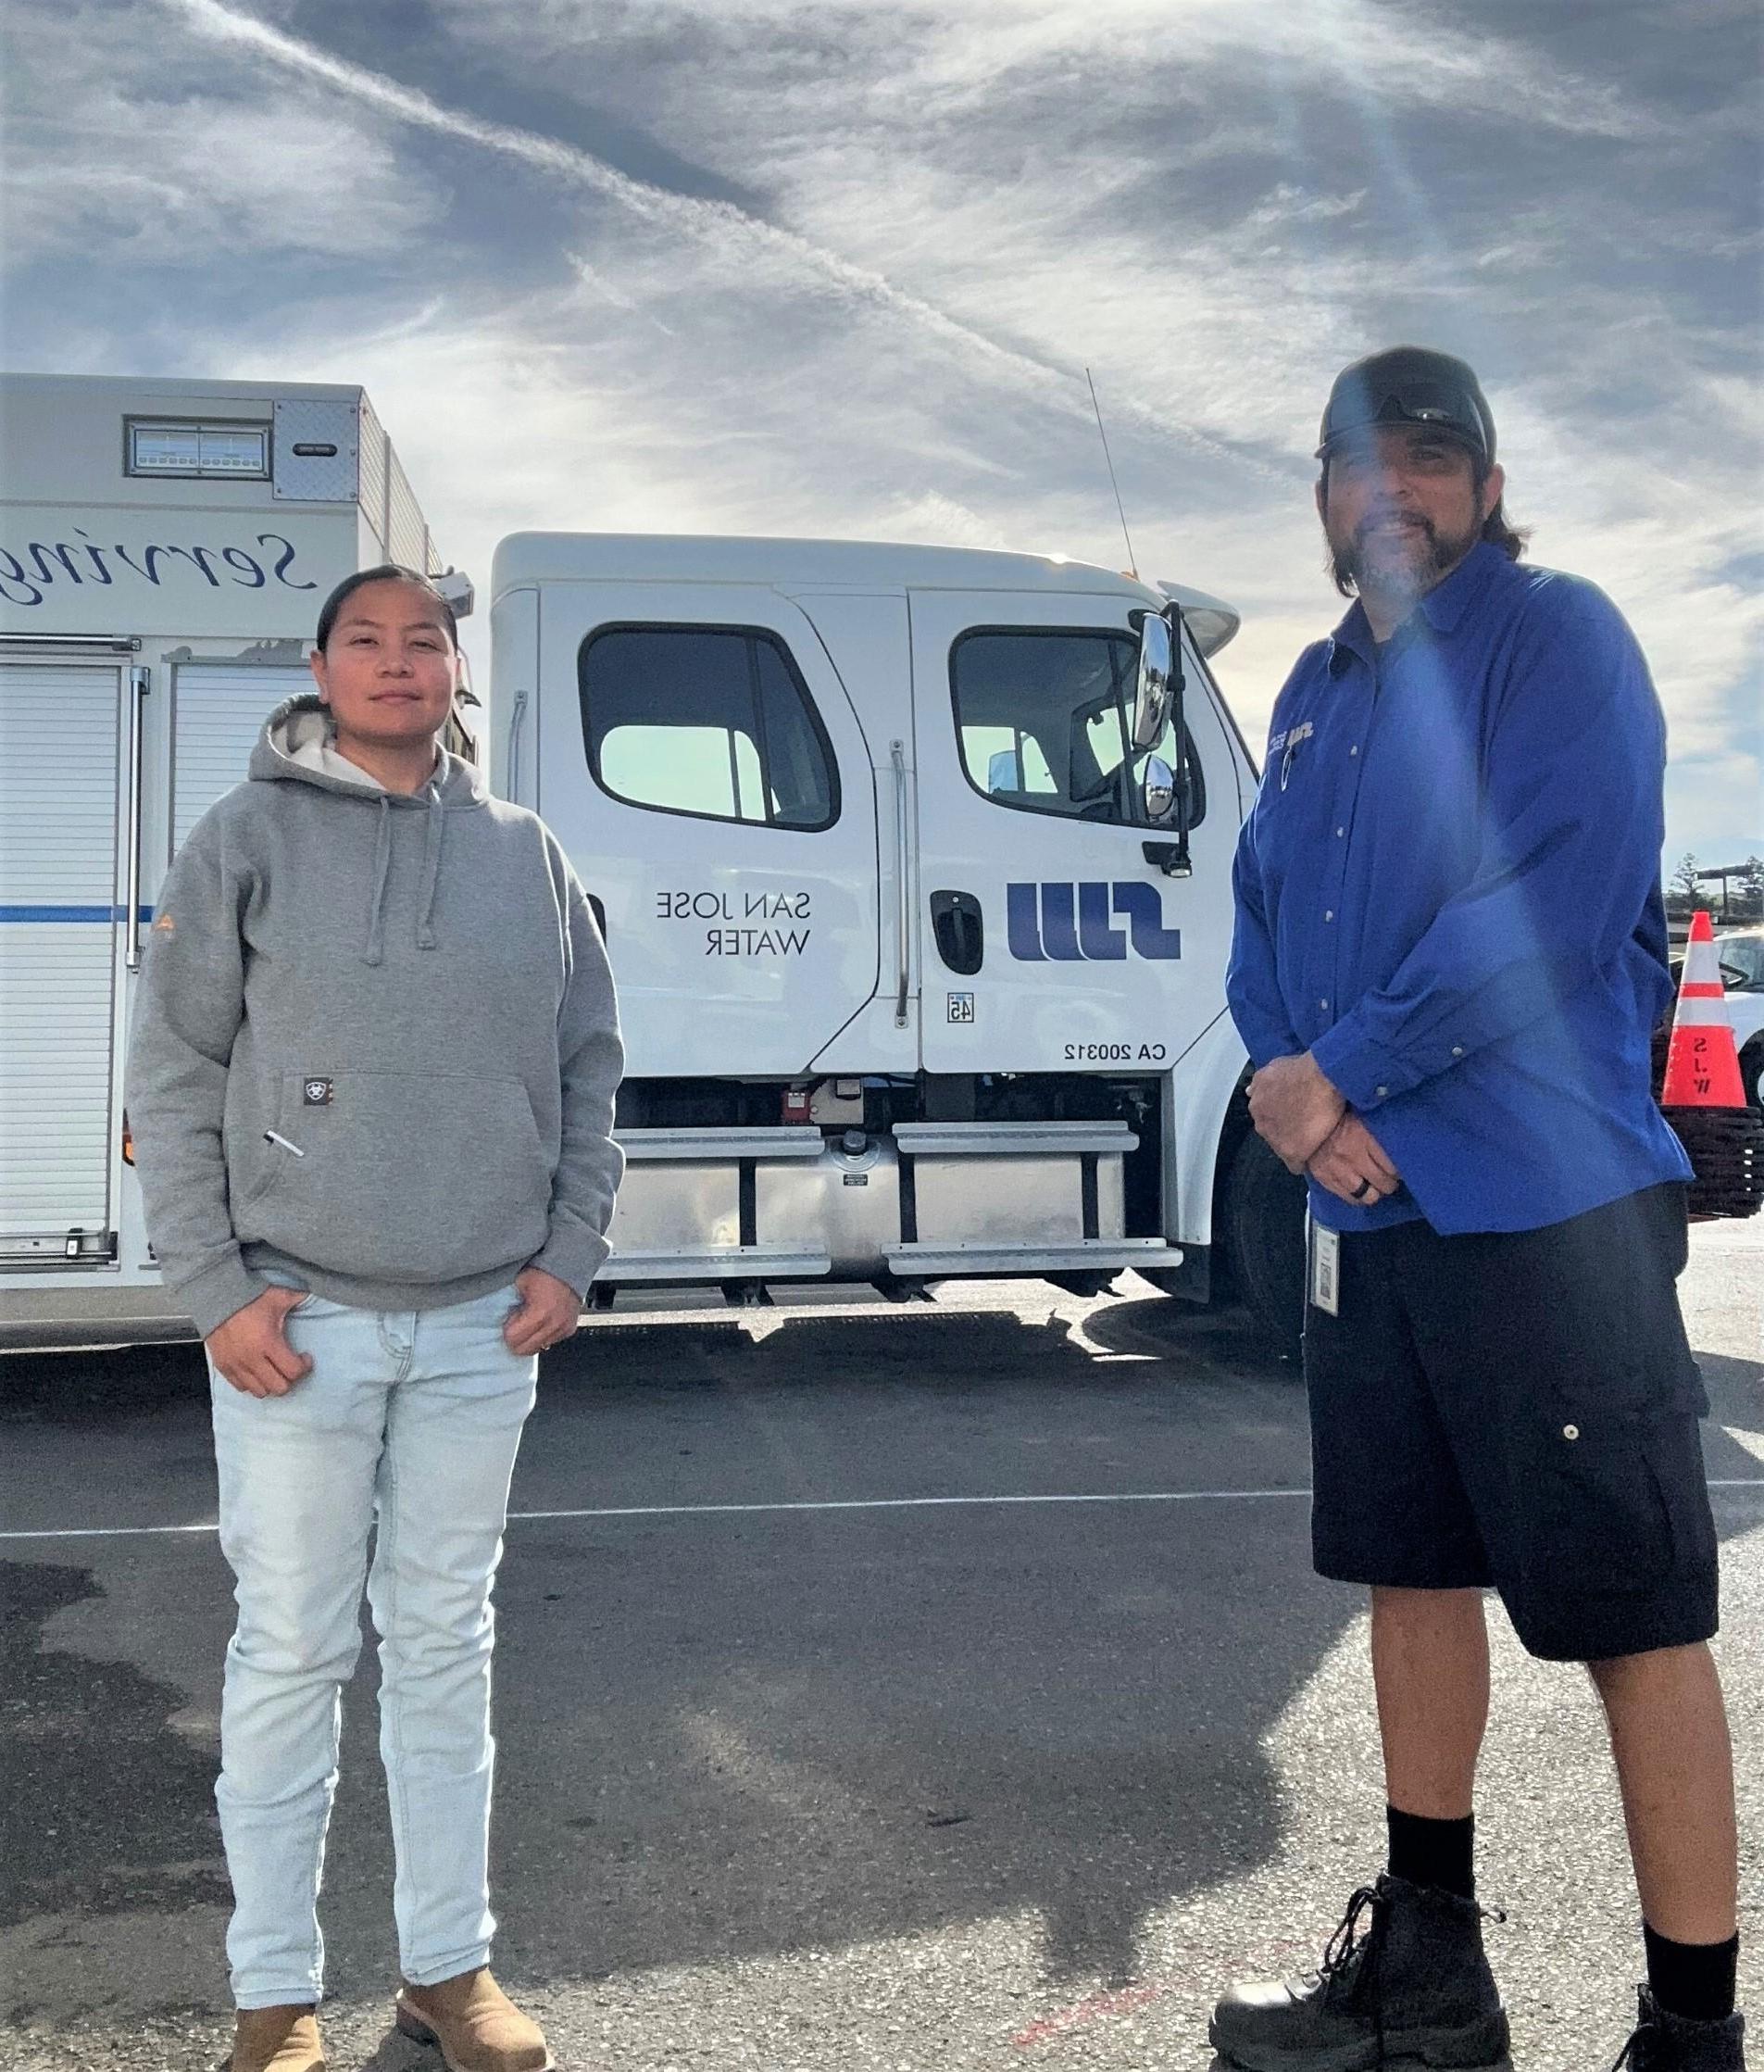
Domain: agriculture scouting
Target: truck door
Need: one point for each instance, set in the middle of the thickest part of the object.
(63, 728)
(697, 755)
(1050, 940)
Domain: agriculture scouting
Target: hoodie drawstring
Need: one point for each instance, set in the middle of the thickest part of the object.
(431, 873)
(377, 901)
(375, 951)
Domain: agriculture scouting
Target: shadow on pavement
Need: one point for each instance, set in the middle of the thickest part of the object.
(106, 1807)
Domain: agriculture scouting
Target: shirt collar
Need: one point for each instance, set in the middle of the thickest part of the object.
(1442, 608)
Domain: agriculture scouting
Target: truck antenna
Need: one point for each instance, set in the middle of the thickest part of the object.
(1132, 561)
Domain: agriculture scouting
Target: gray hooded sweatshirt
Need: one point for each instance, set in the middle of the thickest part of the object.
(375, 1045)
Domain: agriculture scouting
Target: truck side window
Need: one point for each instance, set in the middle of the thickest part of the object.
(711, 721)
(1043, 716)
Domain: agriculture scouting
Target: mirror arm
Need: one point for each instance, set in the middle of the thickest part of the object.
(1180, 865)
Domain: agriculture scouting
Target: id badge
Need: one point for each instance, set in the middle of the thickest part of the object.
(1326, 1270)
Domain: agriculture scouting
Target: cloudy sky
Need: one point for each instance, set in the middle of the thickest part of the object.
(759, 266)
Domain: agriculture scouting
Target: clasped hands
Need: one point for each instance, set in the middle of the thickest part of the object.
(1310, 1128)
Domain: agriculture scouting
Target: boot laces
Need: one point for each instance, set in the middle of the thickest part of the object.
(1631, 2054)
(1349, 1957)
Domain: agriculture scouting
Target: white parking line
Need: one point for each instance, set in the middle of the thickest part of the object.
(753, 1510)
(734, 1510)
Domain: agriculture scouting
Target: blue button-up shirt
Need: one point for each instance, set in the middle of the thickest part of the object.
(1448, 892)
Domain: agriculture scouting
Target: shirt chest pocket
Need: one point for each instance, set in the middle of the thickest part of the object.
(1294, 807)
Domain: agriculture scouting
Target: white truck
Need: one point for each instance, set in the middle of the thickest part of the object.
(919, 908)
(1741, 951)
(164, 547)
(920, 951)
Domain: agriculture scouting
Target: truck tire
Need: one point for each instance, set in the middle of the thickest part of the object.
(1264, 1214)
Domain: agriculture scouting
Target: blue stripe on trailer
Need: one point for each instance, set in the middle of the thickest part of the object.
(71, 913)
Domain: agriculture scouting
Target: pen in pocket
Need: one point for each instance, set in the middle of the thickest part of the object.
(275, 1137)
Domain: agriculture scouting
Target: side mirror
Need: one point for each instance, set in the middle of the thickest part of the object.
(1158, 682)
(457, 590)
(1159, 704)
(1157, 789)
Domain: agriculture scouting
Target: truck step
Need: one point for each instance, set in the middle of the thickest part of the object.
(942, 1262)
(1022, 1140)
(719, 1147)
(717, 1263)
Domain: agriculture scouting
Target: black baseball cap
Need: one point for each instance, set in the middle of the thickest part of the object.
(1408, 385)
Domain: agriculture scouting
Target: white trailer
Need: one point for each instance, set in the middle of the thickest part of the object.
(164, 549)
(920, 939)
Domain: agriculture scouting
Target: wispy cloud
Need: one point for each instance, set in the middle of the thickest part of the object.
(1400, 54)
(723, 223)
(145, 169)
(1289, 204)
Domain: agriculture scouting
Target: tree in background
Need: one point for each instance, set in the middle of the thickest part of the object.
(1683, 895)
(1736, 901)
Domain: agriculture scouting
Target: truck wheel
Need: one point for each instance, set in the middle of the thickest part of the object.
(1264, 1216)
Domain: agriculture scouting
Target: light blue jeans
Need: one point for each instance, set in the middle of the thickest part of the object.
(408, 1421)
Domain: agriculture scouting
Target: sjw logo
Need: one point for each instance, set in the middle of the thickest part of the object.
(1075, 924)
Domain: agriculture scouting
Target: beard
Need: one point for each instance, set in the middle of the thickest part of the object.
(1406, 562)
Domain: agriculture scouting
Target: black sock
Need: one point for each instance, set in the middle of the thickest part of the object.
(1436, 1852)
(1694, 1979)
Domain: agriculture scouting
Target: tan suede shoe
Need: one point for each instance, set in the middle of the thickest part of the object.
(276, 2040)
(474, 2024)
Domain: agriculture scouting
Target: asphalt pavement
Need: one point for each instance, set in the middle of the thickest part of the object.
(879, 1690)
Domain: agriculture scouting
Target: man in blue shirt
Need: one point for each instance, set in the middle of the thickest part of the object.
(1450, 955)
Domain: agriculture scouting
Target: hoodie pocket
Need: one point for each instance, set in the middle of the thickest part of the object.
(254, 1151)
(402, 1176)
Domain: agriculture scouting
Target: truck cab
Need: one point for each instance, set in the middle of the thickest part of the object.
(921, 949)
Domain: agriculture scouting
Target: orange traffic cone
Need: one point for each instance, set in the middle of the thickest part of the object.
(1703, 1065)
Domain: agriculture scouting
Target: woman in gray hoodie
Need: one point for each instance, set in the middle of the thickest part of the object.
(371, 1087)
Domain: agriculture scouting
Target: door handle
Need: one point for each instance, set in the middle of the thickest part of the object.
(513, 758)
(903, 905)
(960, 931)
(138, 682)
(1172, 858)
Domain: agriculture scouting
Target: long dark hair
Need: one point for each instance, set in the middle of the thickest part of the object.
(1511, 539)
(388, 572)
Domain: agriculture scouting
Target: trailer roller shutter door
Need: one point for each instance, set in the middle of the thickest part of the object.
(58, 918)
(218, 715)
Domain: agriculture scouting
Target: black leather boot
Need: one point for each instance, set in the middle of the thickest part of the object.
(1415, 1985)
(1668, 2043)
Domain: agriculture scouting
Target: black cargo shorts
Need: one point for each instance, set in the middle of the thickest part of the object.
(1520, 1410)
